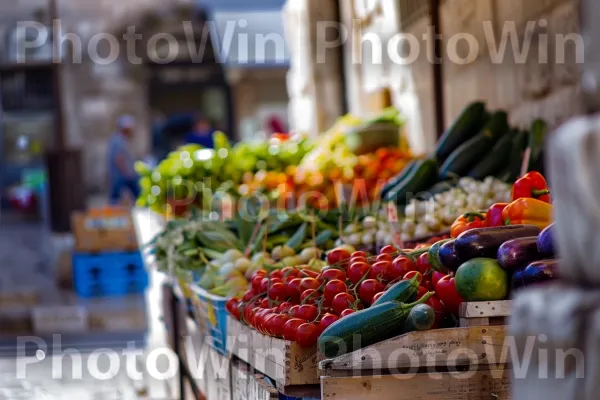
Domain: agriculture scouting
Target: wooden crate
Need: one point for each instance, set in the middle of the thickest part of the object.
(218, 375)
(97, 232)
(248, 386)
(289, 365)
(484, 313)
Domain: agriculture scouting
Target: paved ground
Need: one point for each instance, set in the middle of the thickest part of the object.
(27, 257)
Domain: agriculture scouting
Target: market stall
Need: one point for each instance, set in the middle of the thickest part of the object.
(417, 255)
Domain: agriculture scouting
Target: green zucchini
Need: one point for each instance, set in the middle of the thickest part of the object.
(419, 180)
(432, 256)
(512, 171)
(466, 156)
(323, 237)
(537, 138)
(468, 124)
(390, 184)
(297, 238)
(415, 254)
(420, 318)
(372, 325)
(403, 292)
(495, 160)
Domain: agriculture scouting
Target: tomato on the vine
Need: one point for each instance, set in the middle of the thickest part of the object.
(276, 324)
(358, 259)
(327, 320)
(289, 271)
(380, 270)
(309, 296)
(249, 295)
(368, 289)
(284, 307)
(307, 312)
(264, 303)
(331, 274)
(412, 274)
(346, 312)
(338, 256)
(341, 302)
(357, 270)
(421, 291)
(401, 266)
(278, 292)
(333, 288)
(293, 288)
(255, 283)
(264, 285)
(309, 283)
(440, 309)
(232, 307)
(377, 296)
(358, 254)
(389, 249)
(260, 272)
(384, 257)
(423, 265)
(293, 311)
(308, 273)
(277, 274)
(307, 335)
(290, 328)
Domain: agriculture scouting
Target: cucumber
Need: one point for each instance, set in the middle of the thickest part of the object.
(420, 179)
(537, 138)
(467, 125)
(466, 156)
(415, 254)
(494, 161)
(297, 238)
(420, 318)
(400, 177)
(403, 292)
(432, 256)
(512, 171)
(372, 325)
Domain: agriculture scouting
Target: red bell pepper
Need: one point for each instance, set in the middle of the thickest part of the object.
(494, 215)
(531, 185)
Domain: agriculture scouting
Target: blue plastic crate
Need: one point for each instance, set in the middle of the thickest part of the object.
(109, 274)
(215, 316)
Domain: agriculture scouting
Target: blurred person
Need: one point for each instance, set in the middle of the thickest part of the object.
(276, 125)
(201, 133)
(121, 161)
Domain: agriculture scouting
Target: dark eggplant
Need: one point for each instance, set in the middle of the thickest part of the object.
(540, 271)
(517, 280)
(518, 253)
(485, 242)
(545, 242)
(447, 256)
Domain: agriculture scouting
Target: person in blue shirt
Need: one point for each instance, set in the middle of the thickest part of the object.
(202, 133)
(121, 172)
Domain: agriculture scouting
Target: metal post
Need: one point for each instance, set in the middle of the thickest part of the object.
(438, 79)
(57, 79)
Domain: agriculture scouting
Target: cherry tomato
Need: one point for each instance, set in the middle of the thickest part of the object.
(358, 254)
(357, 270)
(309, 283)
(232, 305)
(359, 259)
(264, 285)
(338, 256)
(263, 323)
(310, 296)
(249, 295)
(327, 320)
(384, 257)
(368, 289)
(308, 312)
(427, 284)
(276, 274)
(289, 271)
(264, 303)
(346, 312)
(275, 325)
(333, 288)
(307, 335)
(448, 294)
(308, 273)
(380, 270)
(331, 274)
(260, 272)
(342, 301)
(401, 266)
(278, 292)
(377, 296)
(412, 274)
(284, 307)
(389, 249)
(436, 277)
(293, 288)
(255, 283)
(423, 265)
(290, 328)
(293, 311)
(421, 291)
(440, 309)
(288, 279)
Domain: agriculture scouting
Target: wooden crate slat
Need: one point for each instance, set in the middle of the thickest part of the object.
(437, 347)
(493, 384)
(485, 309)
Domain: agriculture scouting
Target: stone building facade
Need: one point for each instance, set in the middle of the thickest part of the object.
(93, 94)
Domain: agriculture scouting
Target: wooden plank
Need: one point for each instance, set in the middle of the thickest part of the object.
(218, 376)
(476, 385)
(485, 309)
(285, 362)
(438, 347)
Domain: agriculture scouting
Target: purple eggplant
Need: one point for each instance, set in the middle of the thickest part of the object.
(518, 253)
(485, 242)
(540, 271)
(517, 280)
(545, 242)
(447, 256)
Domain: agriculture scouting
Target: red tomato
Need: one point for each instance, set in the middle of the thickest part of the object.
(293, 288)
(289, 271)
(411, 274)
(385, 257)
(436, 277)
(357, 270)
(309, 283)
(288, 279)
(260, 272)
(308, 312)
(427, 284)
(308, 273)
(265, 324)
(341, 302)
(275, 325)
(255, 283)
(276, 274)
(278, 292)
(377, 296)
(284, 307)
(310, 296)
(293, 311)
(401, 266)
(337, 256)
(264, 285)
(346, 312)
(358, 254)
(440, 309)
(327, 320)
(331, 274)
(380, 270)
(423, 265)
(232, 305)
(368, 289)
(290, 328)
(264, 303)
(249, 295)
(446, 291)
(359, 259)
(421, 291)
(389, 249)
(307, 335)
(333, 288)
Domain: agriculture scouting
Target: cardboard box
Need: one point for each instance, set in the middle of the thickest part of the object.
(16, 322)
(104, 230)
